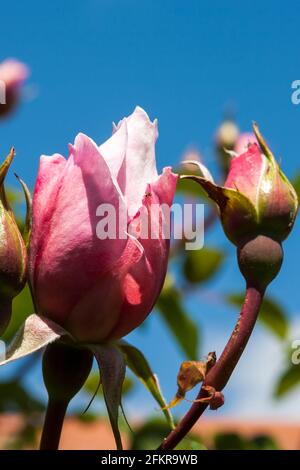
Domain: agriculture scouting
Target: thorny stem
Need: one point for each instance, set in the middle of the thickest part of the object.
(220, 373)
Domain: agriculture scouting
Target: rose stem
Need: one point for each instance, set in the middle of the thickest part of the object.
(220, 373)
(53, 424)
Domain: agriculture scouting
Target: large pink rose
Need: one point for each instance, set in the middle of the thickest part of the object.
(99, 289)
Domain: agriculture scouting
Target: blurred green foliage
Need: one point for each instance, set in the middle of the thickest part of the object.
(150, 435)
(271, 315)
(287, 381)
(234, 441)
(185, 331)
(201, 265)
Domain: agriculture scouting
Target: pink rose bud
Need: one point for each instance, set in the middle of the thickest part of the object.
(256, 175)
(258, 206)
(256, 198)
(101, 287)
(244, 141)
(12, 252)
(12, 76)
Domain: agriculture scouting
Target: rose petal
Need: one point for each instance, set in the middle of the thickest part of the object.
(61, 276)
(140, 157)
(47, 186)
(114, 152)
(145, 278)
(246, 172)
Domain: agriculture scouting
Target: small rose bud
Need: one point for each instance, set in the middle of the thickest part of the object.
(12, 253)
(12, 76)
(256, 198)
(256, 175)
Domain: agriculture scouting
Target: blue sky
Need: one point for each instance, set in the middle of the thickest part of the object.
(185, 62)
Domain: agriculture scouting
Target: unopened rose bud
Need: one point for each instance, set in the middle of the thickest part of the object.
(256, 198)
(256, 175)
(258, 206)
(12, 253)
(12, 76)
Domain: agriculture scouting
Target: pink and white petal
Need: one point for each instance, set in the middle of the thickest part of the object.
(244, 141)
(141, 288)
(114, 153)
(165, 186)
(246, 172)
(97, 313)
(47, 186)
(140, 157)
(143, 282)
(61, 277)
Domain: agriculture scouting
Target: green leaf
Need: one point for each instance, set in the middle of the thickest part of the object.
(27, 225)
(180, 324)
(271, 315)
(22, 307)
(201, 265)
(112, 372)
(139, 365)
(187, 187)
(238, 215)
(288, 380)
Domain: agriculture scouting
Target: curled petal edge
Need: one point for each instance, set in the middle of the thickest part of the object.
(204, 172)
